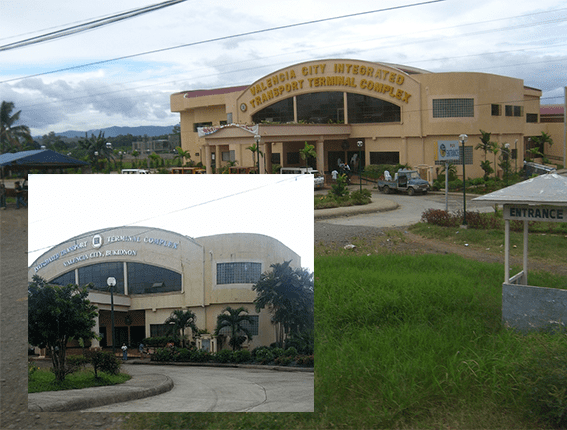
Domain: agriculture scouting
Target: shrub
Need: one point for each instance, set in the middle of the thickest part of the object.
(340, 188)
(277, 352)
(162, 354)
(242, 356)
(183, 354)
(308, 360)
(290, 352)
(200, 356)
(105, 362)
(224, 356)
(283, 360)
(439, 217)
(76, 361)
(256, 350)
(361, 197)
(264, 356)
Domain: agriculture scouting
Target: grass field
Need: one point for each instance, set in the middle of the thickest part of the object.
(44, 380)
(413, 342)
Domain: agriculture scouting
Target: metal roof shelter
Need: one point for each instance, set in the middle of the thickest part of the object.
(543, 198)
(38, 159)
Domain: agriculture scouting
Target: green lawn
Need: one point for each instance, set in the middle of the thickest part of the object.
(410, 342)
(44, 380)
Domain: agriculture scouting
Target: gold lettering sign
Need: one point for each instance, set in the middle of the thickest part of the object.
(373, 80)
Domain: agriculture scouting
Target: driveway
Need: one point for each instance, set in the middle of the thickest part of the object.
(220, 389)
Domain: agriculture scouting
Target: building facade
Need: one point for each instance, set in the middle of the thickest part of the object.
(350, 110)
(159, 271)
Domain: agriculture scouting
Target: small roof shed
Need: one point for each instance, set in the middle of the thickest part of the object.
(38, 159)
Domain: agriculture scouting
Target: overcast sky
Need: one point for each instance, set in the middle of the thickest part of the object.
(280, 206)
(522, 38)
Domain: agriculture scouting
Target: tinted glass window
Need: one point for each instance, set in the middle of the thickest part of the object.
(280, 112)
(238, 273)
(321, 108)
(366, 109)
(99, 273)
(64, 279)
(147, 279)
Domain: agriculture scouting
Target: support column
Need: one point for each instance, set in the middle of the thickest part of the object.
(525, 252)
(218, 157)
(94, 342)
(268, 156)
(208, 159)
(320, 155)
(506, 251)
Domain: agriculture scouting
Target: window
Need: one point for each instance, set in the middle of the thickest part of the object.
(64, 279)
(99, 273)
(228, 156)
(238, 273)
(281, 112)
(531, 117)
(514, 110)
(147, 279)
(453, 108)
(384, 157)
(292, 158)
(158, 330)
(366, 109)
(496, 110)
(321, 108)
(196, 125)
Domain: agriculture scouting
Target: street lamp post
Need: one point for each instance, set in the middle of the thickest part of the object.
(463, 138)
(506, 157)
(111, 282)
(359, 144)
(257, 138)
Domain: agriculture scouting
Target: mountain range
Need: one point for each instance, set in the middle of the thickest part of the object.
(150, 130)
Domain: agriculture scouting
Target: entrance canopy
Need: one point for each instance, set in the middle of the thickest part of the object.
(543, 198)
(38, 159)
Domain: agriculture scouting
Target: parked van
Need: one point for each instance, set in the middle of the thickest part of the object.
(135, 172)
(319, 180)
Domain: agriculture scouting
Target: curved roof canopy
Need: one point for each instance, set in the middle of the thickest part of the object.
(37, 159)
(550, 189)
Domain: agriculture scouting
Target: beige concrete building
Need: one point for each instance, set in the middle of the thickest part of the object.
(397, 114)
(158, 271)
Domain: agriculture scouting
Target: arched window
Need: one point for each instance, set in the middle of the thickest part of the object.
(64, 279)
(366, 109)
(148, 279)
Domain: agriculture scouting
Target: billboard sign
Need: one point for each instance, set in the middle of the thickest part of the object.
(448, 150)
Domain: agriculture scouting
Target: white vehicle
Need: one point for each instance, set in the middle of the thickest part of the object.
(135, 172)
(319, 179)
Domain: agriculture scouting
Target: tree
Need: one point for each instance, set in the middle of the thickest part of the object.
(179, 320)
(234, 320)
(57, 314)
(181, 154)
(486, 145)
(540, 141)
(10, 134)
(307, 152)
(97, 148)
(289, 295)
(256, 149)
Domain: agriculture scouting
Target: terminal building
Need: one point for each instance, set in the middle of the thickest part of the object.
(159, 271)
(361, 112)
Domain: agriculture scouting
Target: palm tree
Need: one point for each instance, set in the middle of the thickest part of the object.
(180, 320)
(97, 148)
(288, 293)
(540, 141)
(256, 149)
(181, 154)
(11, 134)
(486, 145)
(307, 152)
(234, 320)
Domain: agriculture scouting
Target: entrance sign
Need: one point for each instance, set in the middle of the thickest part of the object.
(448, 150)
(537, 213)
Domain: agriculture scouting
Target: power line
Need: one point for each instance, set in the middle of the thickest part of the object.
(88, 25)
(218, 39)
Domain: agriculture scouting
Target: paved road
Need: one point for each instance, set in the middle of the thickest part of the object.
(409, 209)
(214, 389)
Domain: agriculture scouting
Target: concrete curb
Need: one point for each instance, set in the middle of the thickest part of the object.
(233, 365)
(378, 205)
(73, 400)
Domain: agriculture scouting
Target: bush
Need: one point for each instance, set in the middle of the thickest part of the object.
(305, 360)
(162, 354)
(76, 361)
(439, 217)
(224, 356)
(264, 356)
(105, 362)
(256, 350)
(159, 341)
(183, 354)
(200, 356)
(290, 352)
(277, 352)
(242, 356)
(361, 197)
(283, 360)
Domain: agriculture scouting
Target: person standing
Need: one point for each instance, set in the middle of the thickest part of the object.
(124, 352)
(141, 348)
(2, 196)
(19, 196)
